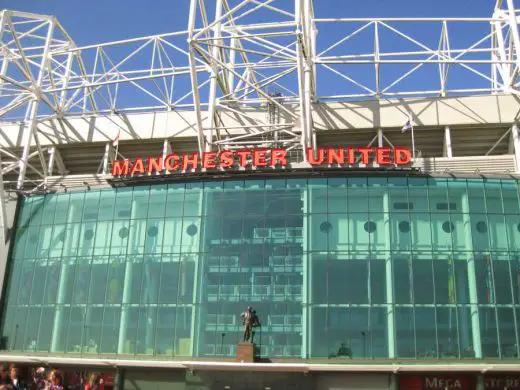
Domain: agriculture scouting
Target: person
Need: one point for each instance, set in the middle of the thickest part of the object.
(54, 380)
(39, 379)
(15, 380)
(95, 382)
(4, 374)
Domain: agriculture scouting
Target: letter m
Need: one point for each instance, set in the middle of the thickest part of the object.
(120, 167)
(431, 384)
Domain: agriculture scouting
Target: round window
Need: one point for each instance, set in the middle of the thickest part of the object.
(191, 230)
(123, 232)
(152, 231)
(448, 227)
(370, 227)
(404, 227)
(481, 227)
(325, 227)
(89, 234)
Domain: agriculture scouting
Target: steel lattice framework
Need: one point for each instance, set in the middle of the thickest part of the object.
(231, 61)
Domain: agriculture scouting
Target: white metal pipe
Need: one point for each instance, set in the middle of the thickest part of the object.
(447, 142)
(193, 76)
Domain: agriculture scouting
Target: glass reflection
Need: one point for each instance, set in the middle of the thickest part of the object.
(337, 268)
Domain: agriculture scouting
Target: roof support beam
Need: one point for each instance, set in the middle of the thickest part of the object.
(447, 151)
(497, 143)
(516, 143)
(55, 159)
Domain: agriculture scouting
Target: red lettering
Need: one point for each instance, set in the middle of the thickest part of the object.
(226, 158)
(365, 152)
(154, 164)
(278, 156)
(383, 156)
(259, 158)
(208, 160)
(350, 158)
(318, 160)
(336, 156)
(137, 167)
(171, 162)
(402, 156)
(192, 159)
(120, 167)
(243, 154)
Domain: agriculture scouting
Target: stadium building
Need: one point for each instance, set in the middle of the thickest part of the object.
(153, 188)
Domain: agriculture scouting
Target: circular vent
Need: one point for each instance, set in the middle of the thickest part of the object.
(123, 232)
(152, 231)
(191, 230)
(404, 227)
(89, 234)
(481, 227)
(325, 227)
(370, 227)
(448, 227)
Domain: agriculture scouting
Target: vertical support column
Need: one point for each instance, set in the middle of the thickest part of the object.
(390, 310)
(167, 149)
(65, 82)
(231, 75)
(3, 231)
(57, 336)
(380, 137)
(127, 289)
(515, 34)
(5, 61)
(193, 75)
(32, 109)
(127, 295)
(52, 155)
(516, 145)
(301, 76)
(472, 278)
(308, 79)
(198, 285)
(106, 158)
(447, 152)
(307, 278)
(210, 123)
(480, 382)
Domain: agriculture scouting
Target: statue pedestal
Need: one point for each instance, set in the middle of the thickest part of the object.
(245, 352)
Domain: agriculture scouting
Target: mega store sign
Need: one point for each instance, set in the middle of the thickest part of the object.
(460, 382)
(260, 159)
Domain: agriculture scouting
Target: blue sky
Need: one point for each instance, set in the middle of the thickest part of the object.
(97, 21)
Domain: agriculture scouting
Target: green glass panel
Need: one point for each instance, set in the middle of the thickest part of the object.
(489, 332)
(157, 203)
(405, 332)
(510, 197)
(110, 330)
(493, 196)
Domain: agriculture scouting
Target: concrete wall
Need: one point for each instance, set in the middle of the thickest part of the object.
(463, 111)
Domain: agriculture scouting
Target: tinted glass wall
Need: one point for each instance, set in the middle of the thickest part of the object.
(336, 268)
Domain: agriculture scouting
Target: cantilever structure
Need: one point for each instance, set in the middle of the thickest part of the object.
(406, 265)
(238, 79)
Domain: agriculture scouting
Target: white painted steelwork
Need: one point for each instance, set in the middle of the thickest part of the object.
(222, 65)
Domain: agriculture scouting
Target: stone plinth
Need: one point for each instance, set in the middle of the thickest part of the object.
(245, 352)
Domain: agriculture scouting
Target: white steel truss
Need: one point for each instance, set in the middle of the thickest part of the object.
(232, 62)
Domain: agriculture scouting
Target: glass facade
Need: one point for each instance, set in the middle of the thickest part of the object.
(366, 268)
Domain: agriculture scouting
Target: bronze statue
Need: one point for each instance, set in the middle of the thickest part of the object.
(250, 320)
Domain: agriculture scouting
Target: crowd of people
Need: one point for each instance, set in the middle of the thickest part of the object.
(44, 379)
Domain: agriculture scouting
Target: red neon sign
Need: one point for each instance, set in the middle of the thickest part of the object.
(261, 158)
